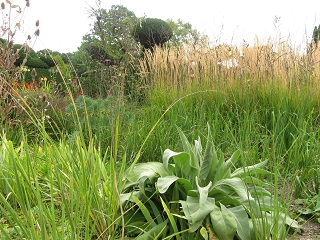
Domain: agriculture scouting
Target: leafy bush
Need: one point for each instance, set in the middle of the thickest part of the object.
(41, 72)
(200, 193)
(151, 32)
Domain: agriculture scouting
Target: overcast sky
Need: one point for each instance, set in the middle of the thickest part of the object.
(64, 22)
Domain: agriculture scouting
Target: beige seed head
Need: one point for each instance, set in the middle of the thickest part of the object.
(3, 6)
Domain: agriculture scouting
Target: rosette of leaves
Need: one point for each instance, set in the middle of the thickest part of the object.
(195, 193)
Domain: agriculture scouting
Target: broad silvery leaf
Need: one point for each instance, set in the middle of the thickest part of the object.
(189, 149)
(242, 219)
(203, 192)
(153, 232)
(198, 151)
(236, 185)
(152, 170)
(181, 159)
(164, 183)
(224, 170)
(208, 159)
(250, 170)
(196, 212)
(223, 223)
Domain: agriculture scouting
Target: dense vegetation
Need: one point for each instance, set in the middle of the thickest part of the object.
(184, 141)
(151, 32)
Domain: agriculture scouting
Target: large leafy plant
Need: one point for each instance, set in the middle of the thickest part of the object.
(195, 192)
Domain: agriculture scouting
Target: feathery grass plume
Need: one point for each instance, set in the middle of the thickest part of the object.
(264, 62)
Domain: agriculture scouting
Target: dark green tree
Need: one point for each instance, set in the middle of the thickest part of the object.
(316, 35)
(151, 32)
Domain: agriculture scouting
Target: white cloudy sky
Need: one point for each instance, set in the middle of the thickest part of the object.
(64, 22)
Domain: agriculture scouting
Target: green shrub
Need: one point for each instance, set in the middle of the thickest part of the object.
(34, 62)
(50, 74)
(96, 117)
(48, 60)
(151, 32)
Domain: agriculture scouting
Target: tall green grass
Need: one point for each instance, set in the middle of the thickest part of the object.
(59, 191)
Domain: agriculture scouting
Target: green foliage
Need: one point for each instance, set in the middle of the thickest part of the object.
(308, 193)
(46, 56)
(81, 61)
(43, 188)
(311, 207)
(316, 34)
(184, 33)
(96, 118)
(36, 63)
(110, 36)
(3, 42)
(62, 66)
(40, 103)
(151, 32)
(50, 74)
(202, 191)
(97, 50)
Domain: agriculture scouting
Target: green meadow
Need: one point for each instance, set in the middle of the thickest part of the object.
(168, 144)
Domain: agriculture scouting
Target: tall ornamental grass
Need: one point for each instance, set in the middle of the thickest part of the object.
(207, 66)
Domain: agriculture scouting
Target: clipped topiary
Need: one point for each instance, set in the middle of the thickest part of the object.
(34, 62)
(152, 31)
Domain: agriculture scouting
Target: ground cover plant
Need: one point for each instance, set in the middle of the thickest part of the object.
(113, 155)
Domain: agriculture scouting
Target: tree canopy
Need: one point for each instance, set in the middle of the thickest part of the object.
(110, 35)
(184, 33)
